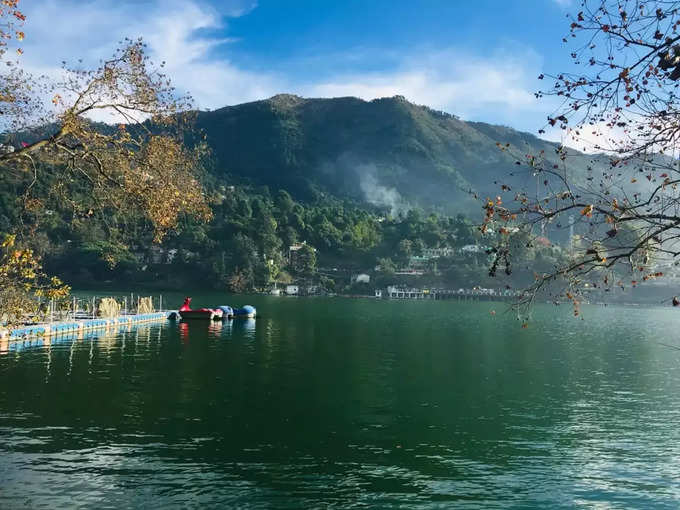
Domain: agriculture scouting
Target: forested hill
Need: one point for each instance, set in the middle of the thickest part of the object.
(325, 173)
(389, 152)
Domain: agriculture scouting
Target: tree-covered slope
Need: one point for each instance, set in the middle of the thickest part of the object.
(288, 170)
(387, 151)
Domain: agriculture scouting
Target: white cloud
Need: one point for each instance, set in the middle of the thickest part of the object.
(495, 87)
(59, 30)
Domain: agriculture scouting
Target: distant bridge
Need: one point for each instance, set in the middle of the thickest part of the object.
(476, 294)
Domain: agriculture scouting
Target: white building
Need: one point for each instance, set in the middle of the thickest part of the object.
(361, 278)
(292, 290)
(473, 248)
(161, 256)
(433, 253)
(294, 248)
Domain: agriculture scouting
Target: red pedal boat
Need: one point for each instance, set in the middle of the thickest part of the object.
(207, 314)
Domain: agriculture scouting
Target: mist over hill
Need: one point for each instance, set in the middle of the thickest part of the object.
(387, 152)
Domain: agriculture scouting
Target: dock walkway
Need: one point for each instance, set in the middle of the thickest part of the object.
(79, 326)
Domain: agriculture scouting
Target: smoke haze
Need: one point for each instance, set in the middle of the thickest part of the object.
(377, 194)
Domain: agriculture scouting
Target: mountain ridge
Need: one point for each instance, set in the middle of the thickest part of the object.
(384, 151)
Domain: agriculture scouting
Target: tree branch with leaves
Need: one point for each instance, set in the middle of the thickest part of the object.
(621, 102)
(116, 133)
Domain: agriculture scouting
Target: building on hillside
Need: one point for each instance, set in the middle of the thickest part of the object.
(408, 271)
(426, 262)
(399, 292)
(294, 252)
(361, 278)
(294, 248)
(292, 290)
(473, 248)
(433, 253)
(417, 262)
(162, 256)
(157, 255)
(313, 290)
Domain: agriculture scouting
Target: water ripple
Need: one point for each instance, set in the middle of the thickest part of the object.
(348, 404)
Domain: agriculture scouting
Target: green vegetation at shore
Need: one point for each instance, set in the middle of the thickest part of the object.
(257, 238)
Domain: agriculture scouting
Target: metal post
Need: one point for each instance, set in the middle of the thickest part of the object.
(160, 303)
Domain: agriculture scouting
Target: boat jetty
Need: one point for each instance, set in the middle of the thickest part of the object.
(80, 315)
(89, 314)
(473, 294)
(48, 329)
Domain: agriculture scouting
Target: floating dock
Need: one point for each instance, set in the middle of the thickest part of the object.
(47, 330)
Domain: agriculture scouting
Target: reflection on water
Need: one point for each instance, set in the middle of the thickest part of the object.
(245, 326)
(216, 329)
(341, 403)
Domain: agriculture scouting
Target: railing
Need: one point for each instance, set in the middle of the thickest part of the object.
(79, 308)
(449, 293)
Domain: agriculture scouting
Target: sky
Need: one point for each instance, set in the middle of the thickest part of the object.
(478, 59)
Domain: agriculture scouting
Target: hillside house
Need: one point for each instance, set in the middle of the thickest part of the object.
(361, 278)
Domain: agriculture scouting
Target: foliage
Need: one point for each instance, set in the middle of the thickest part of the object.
(624, 97)
(53, 152)
(358, 181)
(239, 280)
(22, 281)
(388, 152)
(306, 260)
(145, 305)
(245, 246)
(109, 308)
(141, 165)
(387, 266)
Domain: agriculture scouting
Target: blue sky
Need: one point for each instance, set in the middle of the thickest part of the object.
(477, 59)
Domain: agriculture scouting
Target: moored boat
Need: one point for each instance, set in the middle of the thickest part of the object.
(246, 311)
(186, 313)
(201, 313)
(227, 311)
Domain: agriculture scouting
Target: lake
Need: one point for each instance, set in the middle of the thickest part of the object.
(349, 403)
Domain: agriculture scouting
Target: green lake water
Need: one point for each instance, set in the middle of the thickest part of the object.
(343, 403)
